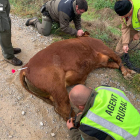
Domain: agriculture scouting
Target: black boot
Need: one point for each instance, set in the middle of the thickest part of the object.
(17, 50)
(31, 21)
(125, 59)
(14, 61)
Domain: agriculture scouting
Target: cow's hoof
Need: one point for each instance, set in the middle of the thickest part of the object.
(129, 76)
(133, 72)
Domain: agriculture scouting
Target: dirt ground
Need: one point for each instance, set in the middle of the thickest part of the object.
(24, 116)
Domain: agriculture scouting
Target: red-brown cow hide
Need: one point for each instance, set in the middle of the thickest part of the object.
(67, 63)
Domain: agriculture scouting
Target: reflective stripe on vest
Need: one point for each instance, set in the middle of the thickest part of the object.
(119, 92)
(111, 113)
(112, 127)
(135, 138)
(135, 20)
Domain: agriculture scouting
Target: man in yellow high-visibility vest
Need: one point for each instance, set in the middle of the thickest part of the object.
(129, 11)
(105, 114)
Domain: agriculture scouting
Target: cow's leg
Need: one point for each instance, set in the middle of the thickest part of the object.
(61, 102)
(112, 65)
(59, 94)
(73, 77)
(127, 73)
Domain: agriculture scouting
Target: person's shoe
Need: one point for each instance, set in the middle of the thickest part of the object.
(17, 50)
(14, 61)
(126, 60)
(31, 21)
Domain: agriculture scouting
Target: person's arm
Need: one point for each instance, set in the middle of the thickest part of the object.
(73, 132)
(77, 22)
(64, 24)
(125, 33)
(125, 36)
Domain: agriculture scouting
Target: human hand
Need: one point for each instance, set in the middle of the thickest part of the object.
(80, 32)
(70, 123)
(136, 37)
(125, 48)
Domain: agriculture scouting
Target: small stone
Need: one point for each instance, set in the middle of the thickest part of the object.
(52, 134)
(68, 136)
(23, 112)
(41, 123)
(10, 136)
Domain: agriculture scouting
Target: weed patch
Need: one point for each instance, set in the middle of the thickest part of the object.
(28, 8)
(100, 4)
(114, 30)
(89, 15)
(135, 58)
(136, 83)
(57, 31)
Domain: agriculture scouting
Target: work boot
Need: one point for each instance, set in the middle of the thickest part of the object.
(126, 61)
(31, 21)
(14, 61)
(17, 50)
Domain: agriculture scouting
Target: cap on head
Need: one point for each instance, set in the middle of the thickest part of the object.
(122, 7)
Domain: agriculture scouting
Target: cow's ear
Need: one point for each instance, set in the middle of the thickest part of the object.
(86, 33)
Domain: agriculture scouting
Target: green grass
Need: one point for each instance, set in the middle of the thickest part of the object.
(135, 58)
(136, 83)
(131, 85)
(101, 35)
(88, 16)
(90, 3)
(100, 4)
(28, 8)
(56, 31)
(120, 26)
(114, 30)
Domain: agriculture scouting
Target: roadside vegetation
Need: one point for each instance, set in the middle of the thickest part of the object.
(100, 21)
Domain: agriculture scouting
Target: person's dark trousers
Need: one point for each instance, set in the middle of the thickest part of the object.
(6, 45)
(5, 42)
(5, 30)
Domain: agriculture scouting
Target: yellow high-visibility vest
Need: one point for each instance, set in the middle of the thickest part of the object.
(113, 114)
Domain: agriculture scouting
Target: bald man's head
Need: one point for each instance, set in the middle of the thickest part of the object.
(79, 95)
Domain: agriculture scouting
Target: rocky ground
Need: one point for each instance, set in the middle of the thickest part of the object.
(24, 116)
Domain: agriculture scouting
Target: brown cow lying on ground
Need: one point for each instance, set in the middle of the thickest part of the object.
(67, 63)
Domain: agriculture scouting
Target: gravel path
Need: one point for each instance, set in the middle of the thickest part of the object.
(24, 116)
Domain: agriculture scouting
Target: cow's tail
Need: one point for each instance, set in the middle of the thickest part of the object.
(22, 79)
